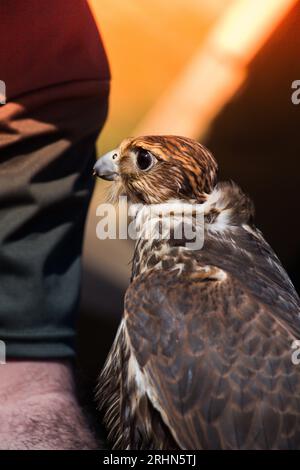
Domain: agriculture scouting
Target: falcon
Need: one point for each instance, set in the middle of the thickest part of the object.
(203, 356)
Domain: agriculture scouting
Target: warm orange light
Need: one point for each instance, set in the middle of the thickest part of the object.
(216, 71)
(149, 42)
(247, 25)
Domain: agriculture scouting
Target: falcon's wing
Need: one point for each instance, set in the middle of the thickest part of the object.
(215, 360)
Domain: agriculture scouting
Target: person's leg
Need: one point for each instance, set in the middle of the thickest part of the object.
(57, 84)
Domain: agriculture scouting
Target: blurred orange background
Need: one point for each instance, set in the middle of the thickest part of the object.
(175, 64)
(148, 43)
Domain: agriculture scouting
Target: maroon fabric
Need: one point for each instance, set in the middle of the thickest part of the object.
(47, 42)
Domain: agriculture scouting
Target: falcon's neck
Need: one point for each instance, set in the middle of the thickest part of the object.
(169, 233)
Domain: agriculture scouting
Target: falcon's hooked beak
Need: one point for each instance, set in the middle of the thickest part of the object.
(106, 167)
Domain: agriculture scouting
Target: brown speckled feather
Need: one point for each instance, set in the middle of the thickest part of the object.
(218, 361)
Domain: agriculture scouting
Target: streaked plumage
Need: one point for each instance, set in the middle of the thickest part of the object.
(202, 358)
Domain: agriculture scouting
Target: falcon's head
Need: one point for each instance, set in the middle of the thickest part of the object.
(155, 169)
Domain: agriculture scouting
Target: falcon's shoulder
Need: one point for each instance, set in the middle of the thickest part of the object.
(214, 358)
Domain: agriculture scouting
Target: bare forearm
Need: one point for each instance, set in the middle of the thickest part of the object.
(38, 407)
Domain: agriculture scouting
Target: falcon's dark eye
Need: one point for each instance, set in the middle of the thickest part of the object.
(145, 160)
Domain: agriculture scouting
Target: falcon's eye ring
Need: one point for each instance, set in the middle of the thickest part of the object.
(145, 160)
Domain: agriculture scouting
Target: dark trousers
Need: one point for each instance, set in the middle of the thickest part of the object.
(57, 83)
